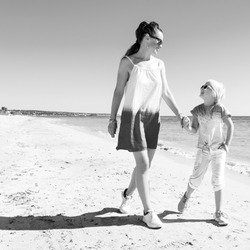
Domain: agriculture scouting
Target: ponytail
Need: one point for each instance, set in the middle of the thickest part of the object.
(133, 49)
(144, 28)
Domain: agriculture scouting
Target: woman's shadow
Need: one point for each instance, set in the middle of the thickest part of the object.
(101, 218)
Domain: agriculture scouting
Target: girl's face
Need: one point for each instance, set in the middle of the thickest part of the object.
(155, 41)
(207, 93)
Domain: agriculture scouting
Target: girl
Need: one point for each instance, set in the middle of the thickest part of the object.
(213, 146)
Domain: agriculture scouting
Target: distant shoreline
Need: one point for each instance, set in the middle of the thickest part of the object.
(54, 113)
(72, 114)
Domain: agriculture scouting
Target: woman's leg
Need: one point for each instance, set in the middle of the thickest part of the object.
(141, 177)
(151, 153)
(189, 191)
(132, 184)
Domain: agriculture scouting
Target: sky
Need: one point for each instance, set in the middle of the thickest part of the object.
(59, 55)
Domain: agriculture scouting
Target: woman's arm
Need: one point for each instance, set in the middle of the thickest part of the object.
(167, 94)
(122, 77)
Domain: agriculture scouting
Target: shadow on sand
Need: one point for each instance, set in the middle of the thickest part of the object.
(92, 219)
(180, 220)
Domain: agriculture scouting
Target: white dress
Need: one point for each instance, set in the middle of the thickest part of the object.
(140, 119)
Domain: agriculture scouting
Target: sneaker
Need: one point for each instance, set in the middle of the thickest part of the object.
(126, 200)
(152, 220)
(183, 203)
(221, 218)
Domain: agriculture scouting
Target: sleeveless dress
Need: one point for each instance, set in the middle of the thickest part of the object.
(140, 118)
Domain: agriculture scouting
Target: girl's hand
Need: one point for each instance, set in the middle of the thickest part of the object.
(185, 122)
(112, 127)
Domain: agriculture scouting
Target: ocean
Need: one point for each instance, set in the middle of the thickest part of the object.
(178, 141)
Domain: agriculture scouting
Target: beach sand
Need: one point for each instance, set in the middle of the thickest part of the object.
(60, 189)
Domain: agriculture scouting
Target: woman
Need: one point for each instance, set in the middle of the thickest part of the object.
(142, 77)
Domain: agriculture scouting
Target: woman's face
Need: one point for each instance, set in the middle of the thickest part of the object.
(155, 41)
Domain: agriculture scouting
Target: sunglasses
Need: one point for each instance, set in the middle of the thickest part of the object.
(205, 86)
(160, 42)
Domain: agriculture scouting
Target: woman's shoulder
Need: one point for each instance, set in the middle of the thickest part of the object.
(126, 59)
(132, 59)
(126, 63)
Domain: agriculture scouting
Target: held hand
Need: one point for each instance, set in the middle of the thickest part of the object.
(185, 122)
(112, 127)
(224, 147)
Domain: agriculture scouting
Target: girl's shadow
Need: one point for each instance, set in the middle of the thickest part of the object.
(180, 220)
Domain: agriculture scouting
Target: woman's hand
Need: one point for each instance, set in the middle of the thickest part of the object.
(112, 127)
(224, 147)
